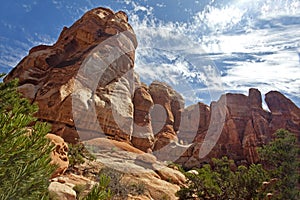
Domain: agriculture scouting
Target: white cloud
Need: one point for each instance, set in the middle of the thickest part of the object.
(161, 5)
(219, 19)
(280, 71)
(254, 54)
(10, 56)
(251, 42)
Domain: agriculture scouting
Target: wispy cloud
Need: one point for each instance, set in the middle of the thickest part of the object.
(226, 46)
(11, 54)
(249, 44)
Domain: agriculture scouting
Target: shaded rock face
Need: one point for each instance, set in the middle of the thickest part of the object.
(85, 78)
(245, 126)
(284, 113)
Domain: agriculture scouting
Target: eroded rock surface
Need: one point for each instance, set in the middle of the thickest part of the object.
(236, 127)
(84, 81)
(166, 114)
(86, 88)
(284, 112)
(59, 155)
(143, 137)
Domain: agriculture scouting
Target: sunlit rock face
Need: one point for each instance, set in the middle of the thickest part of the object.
(85, 80)
(86, 88)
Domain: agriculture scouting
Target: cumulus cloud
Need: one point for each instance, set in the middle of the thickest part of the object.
(247, 43)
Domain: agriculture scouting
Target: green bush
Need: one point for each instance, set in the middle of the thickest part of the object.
(78, 153)
(24, 151)
(109, 186)
(277, 175)
(101, 191)
(222, 183)
(281, 158)
(115, 185)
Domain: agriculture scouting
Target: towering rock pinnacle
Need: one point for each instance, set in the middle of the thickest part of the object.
(53, 76)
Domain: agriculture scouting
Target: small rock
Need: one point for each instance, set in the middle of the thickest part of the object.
(61, 191)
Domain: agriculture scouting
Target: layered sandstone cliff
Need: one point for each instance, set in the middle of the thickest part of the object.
(85, 78)
(237, 126)
(86, 88)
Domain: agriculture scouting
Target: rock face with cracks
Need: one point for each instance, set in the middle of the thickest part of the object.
(235, 125)
(84, 82)
(86, 88)
(59, 155)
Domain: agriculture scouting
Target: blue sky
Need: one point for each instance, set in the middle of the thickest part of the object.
(202, 48)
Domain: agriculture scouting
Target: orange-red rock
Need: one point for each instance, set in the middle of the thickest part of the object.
(166, 114)
(142, 136)
(245, 126)
(285, 114)
(59, 155)
(84, 81)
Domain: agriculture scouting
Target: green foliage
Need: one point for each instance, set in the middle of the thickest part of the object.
(80, 189)
(223, 182)
(248, 182)
(115, 185)
(277, 175)
(176, 166)
(24, 152)
(281, 157)
(110, 186)
(100, 191)
(78, 153)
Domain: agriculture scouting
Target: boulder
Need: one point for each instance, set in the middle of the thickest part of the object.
(59, 155)
(61, 191)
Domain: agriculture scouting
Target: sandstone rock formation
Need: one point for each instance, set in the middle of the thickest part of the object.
(139, 168)
(142, 137)
(59, 155)
(166, 114)
(284, 113)
(84, 79)
(86, 88)
(245, 126)
(133, 167)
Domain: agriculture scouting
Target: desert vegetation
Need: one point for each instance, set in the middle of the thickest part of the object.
(276, 177)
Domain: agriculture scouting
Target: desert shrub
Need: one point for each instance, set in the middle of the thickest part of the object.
(281, 158)
(224, 183)
(100, 191)
(78, 153)
(277, 176)
(24, 150)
